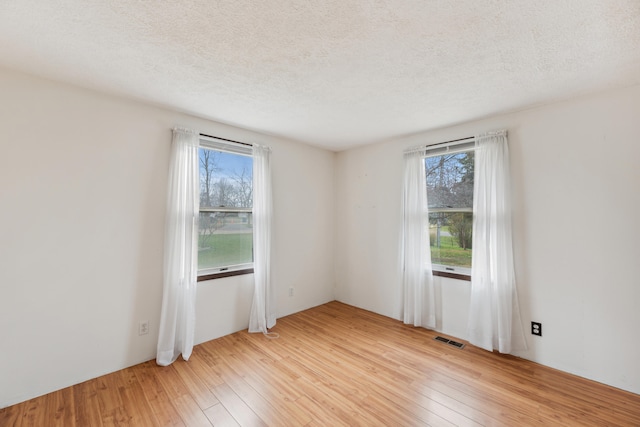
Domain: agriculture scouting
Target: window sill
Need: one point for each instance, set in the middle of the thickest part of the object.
(222, 274)
(452, 275)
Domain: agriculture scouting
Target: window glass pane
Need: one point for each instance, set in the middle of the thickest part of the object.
(225, 239)
(450, 180)
(226, 179)
(450, 238)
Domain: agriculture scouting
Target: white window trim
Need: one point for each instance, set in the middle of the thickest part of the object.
(463, 271)
(228, 146)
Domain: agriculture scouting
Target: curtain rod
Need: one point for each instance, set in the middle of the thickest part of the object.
(225, 139)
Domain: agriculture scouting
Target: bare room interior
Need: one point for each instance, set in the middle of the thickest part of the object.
(92, 95)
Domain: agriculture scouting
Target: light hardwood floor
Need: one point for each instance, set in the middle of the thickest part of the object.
(333, 365)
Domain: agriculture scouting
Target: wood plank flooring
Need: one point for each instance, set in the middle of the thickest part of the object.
(333, 365)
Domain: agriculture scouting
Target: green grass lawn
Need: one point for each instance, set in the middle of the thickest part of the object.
(449, 253)
(218, 250)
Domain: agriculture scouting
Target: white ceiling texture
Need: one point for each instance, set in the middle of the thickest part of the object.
(333, 73)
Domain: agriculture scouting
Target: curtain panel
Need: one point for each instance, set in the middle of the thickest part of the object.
(263, 312)
(177, 319)
(418, 295)
(494, 314)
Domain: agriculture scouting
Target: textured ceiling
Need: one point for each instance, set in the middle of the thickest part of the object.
(334, 73)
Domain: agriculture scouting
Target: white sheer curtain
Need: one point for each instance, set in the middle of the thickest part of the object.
(494, 315)
(263, 313)
(417, 280)
(177, 319)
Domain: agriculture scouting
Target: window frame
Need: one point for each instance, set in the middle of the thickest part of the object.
(436, 150)
(237, 148)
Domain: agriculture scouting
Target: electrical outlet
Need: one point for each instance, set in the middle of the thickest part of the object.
(290, 292)
(536, 328)
(143, 327)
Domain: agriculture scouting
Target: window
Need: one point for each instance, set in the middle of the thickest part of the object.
(225, 232)
(449, 175)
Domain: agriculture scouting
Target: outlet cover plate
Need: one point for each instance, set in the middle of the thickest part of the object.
(143, 327)
(536, 328)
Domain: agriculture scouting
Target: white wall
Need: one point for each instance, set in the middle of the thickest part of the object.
(577, 235)
(82, 191)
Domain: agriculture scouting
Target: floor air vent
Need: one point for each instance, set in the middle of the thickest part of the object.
(450, 342)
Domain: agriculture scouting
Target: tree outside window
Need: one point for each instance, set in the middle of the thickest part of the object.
(225, 237)
(450, 197)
